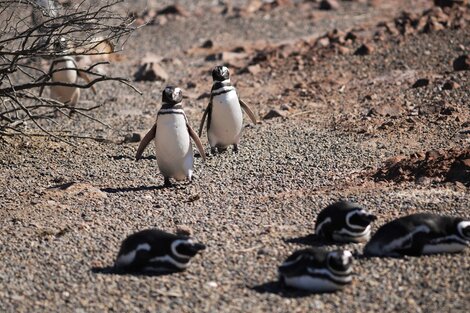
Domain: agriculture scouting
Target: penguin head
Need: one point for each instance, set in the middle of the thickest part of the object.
(463, 228)
(186, 248)
(172, 95)
(60, 44)
(220, 73)
(339, 261)
(360, 217)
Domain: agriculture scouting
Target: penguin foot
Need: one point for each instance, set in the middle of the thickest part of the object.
(235, 148)
(221, 150)
(167, 182)
(213, 150)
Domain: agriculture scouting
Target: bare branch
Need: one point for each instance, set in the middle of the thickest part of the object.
(33, 31)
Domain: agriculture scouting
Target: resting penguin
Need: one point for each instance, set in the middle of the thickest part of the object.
(344, 221)
(172, 139)
(317, 270)
(224, 113)
(153, 250)
(419, 234)
(64, 70)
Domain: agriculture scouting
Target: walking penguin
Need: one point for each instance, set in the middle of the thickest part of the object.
(172, 133)
(64, 71)
(224, 113)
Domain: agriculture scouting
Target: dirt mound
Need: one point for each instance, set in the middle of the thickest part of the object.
(443, 165)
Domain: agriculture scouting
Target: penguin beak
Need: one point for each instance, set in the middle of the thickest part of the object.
(198, 247)
(370, 218)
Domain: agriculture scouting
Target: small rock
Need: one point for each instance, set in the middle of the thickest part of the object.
(449, 3)
(285, 107)
(448, 110)
(350, 36)
(422, 82)
(329, 5)
(254, 69)
(191, 85)
(151, 58)
(184, 230)
(174, 9)
(462, 63)
(343, 50)
(226, 56)
(274, 113)
(323, 42)
(450, 85)
(207, 44)
(364, 49)
(194, 197)
(134, 137)
(212, 284)
(460, 171)
(150, 72)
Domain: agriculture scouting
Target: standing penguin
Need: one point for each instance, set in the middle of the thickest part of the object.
(64, 70)
(172, 139)
(153, 250)
(419, 234)
(344, 221)
(317, 270)
(224, 113)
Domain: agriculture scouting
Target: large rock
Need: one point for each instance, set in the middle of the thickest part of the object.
(150, 72)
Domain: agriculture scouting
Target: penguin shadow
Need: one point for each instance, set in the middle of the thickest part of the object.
(278, 288)
(127, 157)
(111, 270)
(312, 240)
(133, 189)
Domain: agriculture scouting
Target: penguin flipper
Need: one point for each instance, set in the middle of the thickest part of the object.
(87, 79)
(145, 141)
(47, 78)
(248, 111)
(197, 141)
(206, 111)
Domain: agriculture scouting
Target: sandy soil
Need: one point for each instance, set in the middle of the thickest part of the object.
(343, 118)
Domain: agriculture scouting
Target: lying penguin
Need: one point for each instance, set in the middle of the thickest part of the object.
(153, 250)
(344, 221)
(172, 139)
(224, 113)
(64, 70)
(317, 270)
(419, 234)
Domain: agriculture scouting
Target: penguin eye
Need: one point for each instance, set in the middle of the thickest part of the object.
(339, 261)
(189, 249)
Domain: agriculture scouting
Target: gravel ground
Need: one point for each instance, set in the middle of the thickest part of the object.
(65, 210)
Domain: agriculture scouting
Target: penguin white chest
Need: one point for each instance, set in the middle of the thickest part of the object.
(173, 146)
(226, 120)
(63, 93)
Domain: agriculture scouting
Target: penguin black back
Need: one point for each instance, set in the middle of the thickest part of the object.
(317, 270)
(344, 221)
(156, 250)
(418, 234)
